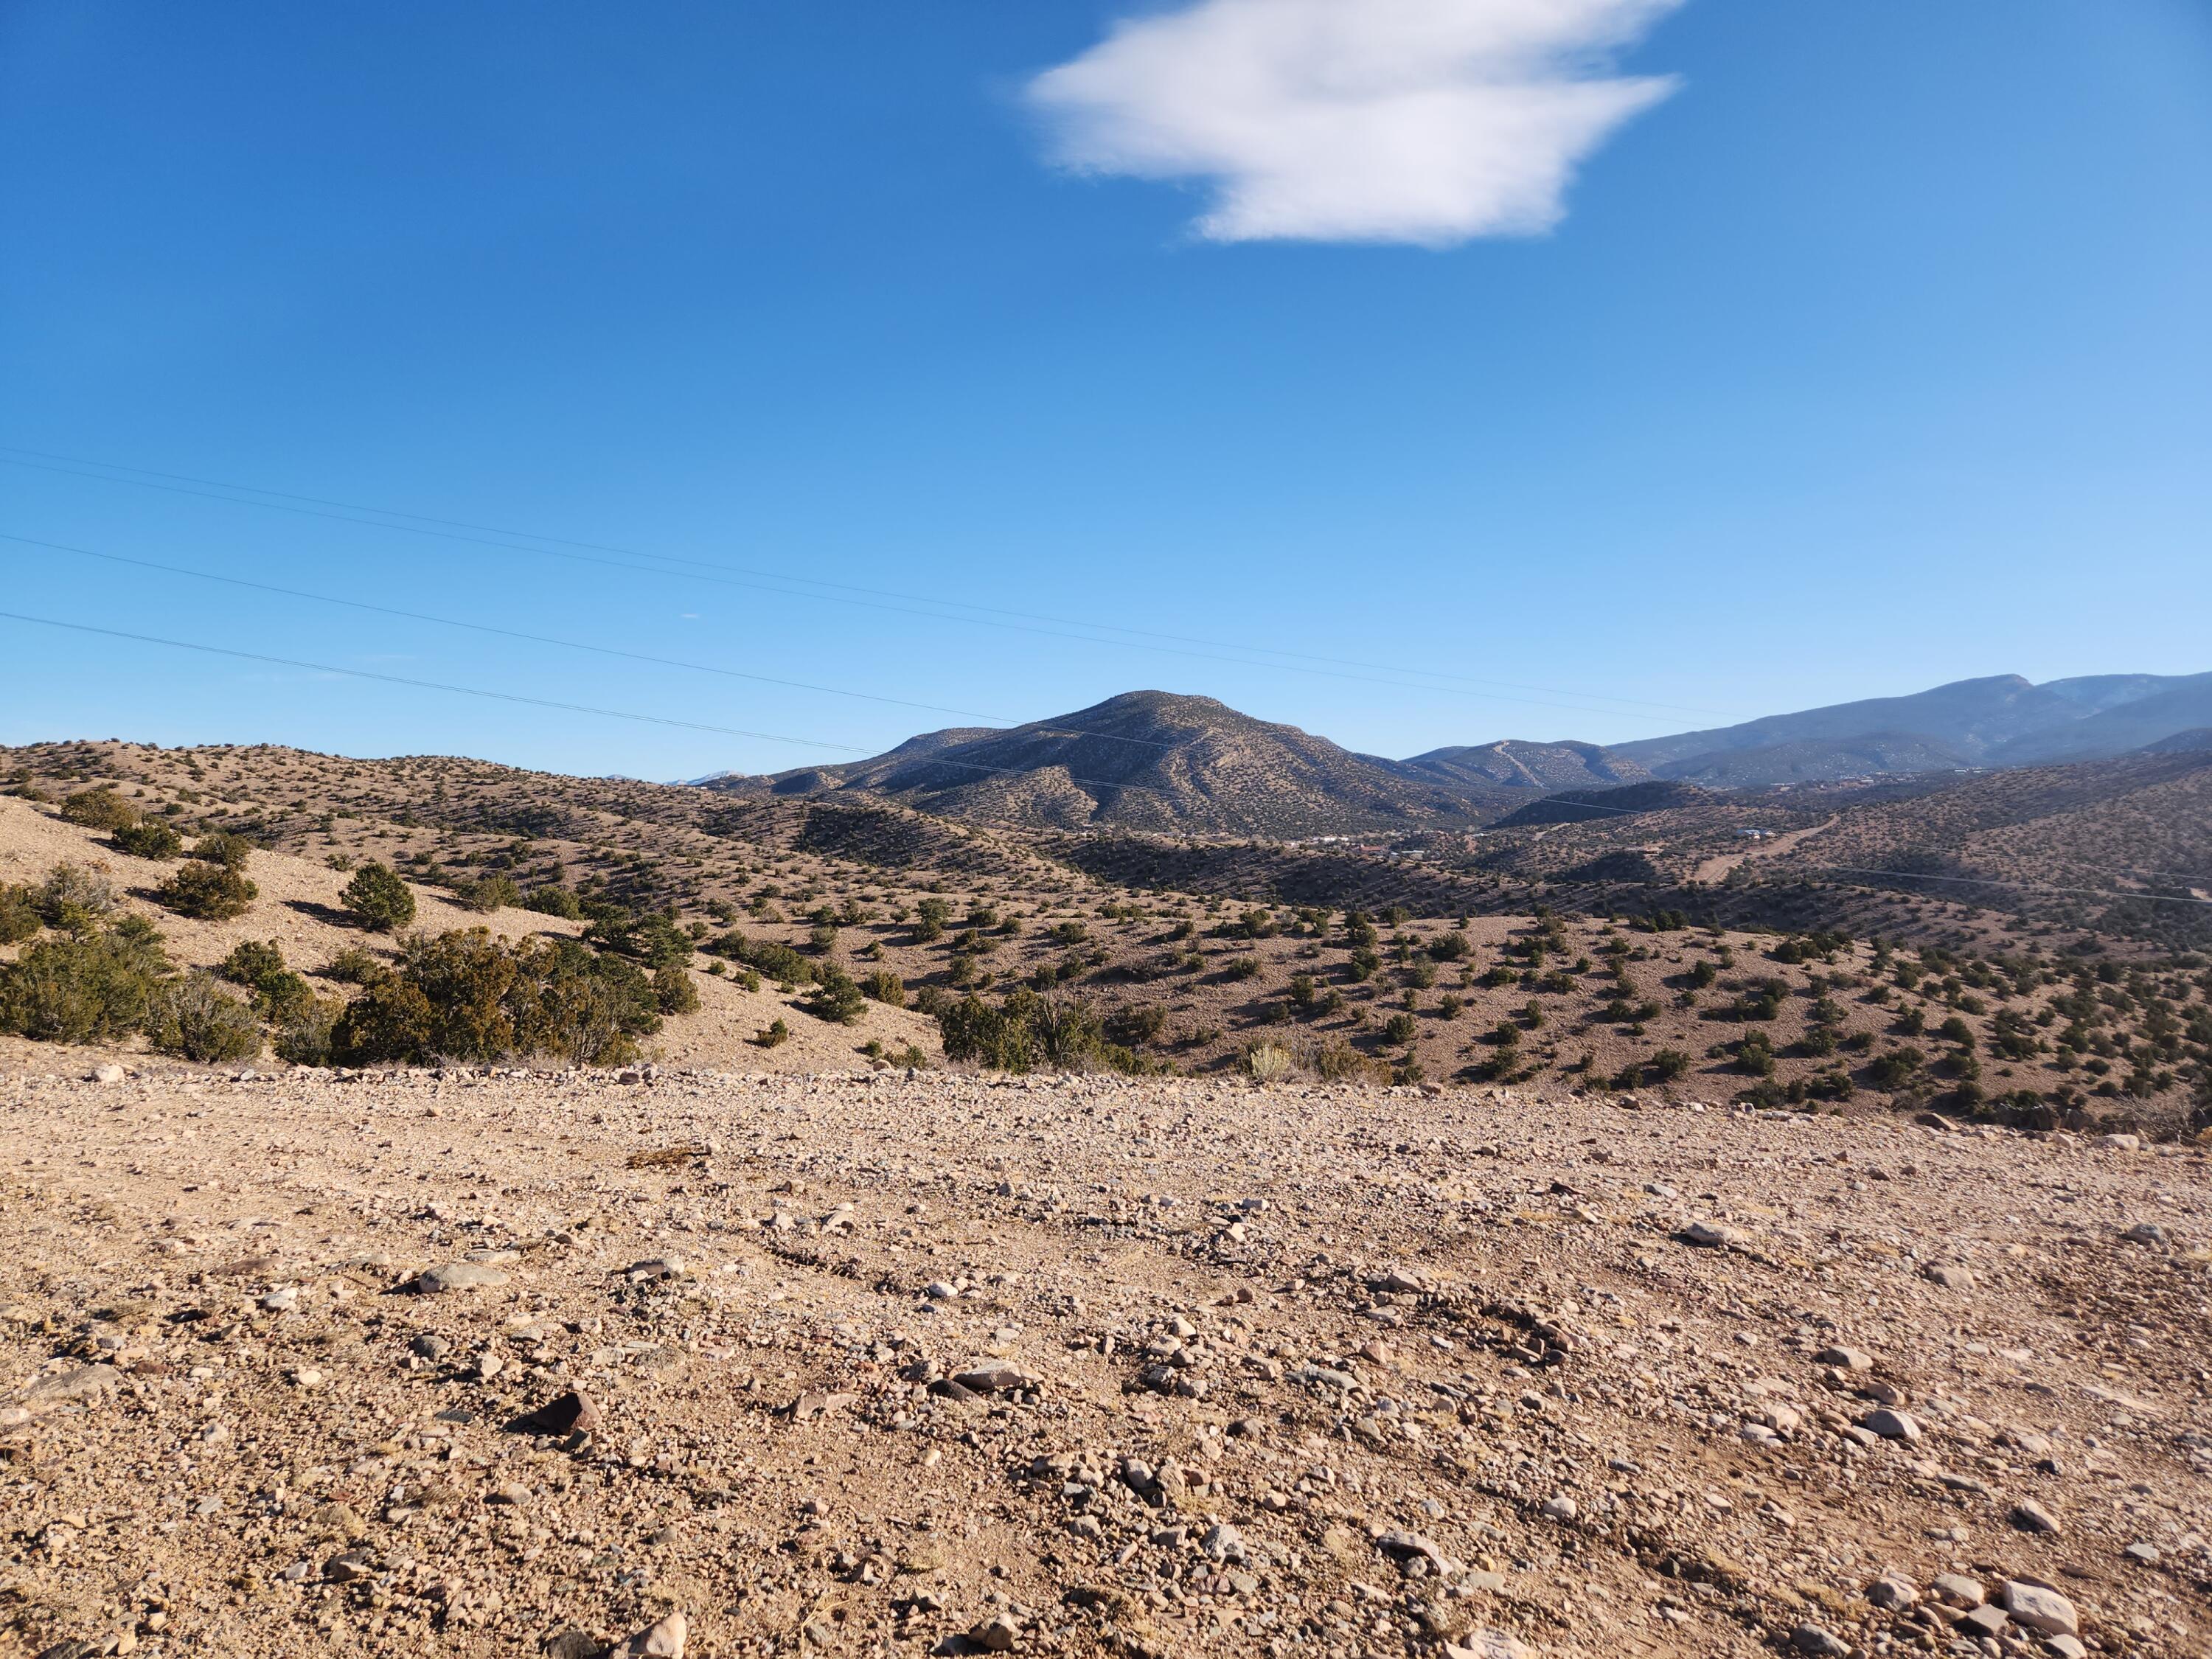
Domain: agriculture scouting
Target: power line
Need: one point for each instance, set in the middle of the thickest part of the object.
(2017, 886)
(450, 530)
(570, 645)
(518, 697)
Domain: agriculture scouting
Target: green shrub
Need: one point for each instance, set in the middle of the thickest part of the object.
(280, 995)
(303, 1038)
(1135, 1027)
(96, 988)
(1242, 968)
(383, 901)
(464, 995)
(250, 961)
(654, 940)
(673, 992)
(779, 962)
(220, 847)
(1339, 1062)
(355, 966)
(579, 1005)
(836, 997)
(1401, 1028)
(207, 892)
(196, 1017)
(1031, 1030)
(1896, 1068)
(76, 901)
(555, 900)
(491, 893)
(973, 1030)
(149, 839)
(391, 1020)
(99, 808)
(19, 914)
(466, 977)
(774, 1036)
(886, 987)
(1668, 1065)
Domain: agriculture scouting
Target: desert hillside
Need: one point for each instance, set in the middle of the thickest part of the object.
(1154, 955)
(300, 908)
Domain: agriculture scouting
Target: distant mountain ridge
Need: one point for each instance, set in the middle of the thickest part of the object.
(1162, 761)
(2004, 721)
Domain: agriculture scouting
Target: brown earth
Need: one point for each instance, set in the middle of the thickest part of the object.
(1329, 1371)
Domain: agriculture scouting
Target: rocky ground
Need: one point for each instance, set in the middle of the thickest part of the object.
(503, 1363)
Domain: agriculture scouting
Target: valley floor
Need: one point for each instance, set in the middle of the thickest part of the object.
(912, 1363)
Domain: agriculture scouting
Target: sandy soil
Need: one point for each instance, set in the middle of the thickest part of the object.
(302, 909)
(1714, 870)
(1318, 1371)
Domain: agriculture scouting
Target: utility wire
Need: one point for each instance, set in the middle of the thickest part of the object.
(516, 697)
(425, 526)
(2018, 886)
(570, 645)
(770, 736)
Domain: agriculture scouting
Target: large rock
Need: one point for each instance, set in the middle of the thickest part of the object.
(662, 1641)
(574, 1412)
(992, 1377)
(1892, 1592)
(1892, 1424)
(1955, 1589)
(2040, 1609)
(1711, 1235)
(457, 1276)
(80, 1385)
(1487, 1644)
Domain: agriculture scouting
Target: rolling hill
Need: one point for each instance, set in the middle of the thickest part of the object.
(1160, 762)
(1148, 760)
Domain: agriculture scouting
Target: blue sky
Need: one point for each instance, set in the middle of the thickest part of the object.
(1864, 347)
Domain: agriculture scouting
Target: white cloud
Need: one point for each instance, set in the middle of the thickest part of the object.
(1426, 121)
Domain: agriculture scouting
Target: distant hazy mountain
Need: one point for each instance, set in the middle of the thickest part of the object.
(2004, 721)
(1158, 761)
